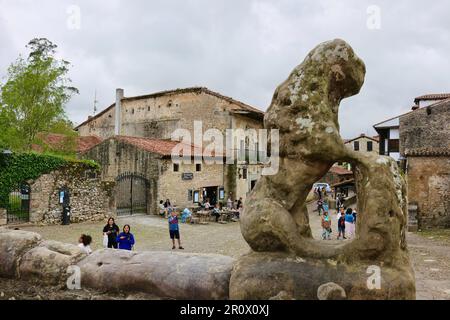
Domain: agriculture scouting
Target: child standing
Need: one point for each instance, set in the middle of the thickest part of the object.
(326, 226)
(174, 229)
(126, 239)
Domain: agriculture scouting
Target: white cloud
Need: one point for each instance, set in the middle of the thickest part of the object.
(243, 49)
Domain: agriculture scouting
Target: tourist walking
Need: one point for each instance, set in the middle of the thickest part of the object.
(84, 243)
(341, 227)
(349, 222)
(126, 239)
(320, 206)
(326, 226)
(111, 230)
(174, 229)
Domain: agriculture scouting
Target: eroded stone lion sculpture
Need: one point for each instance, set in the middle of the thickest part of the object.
(275, 219)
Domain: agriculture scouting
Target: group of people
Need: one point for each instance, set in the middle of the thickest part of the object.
(346, 221)
(112, 238)
(166, 209)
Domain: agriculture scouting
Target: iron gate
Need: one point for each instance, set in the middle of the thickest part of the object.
(131, 196)
(18, 206)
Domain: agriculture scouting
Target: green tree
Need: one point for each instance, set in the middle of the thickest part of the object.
(33, 97)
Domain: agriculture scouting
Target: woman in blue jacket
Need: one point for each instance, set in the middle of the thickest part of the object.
(125, 239)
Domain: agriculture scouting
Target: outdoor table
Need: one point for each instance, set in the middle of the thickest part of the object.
(202, 215)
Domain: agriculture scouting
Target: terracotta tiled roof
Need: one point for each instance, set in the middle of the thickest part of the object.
(57, 141)
(340, 171)
(239, 107)
(158, 146)
(435, 96)
(428, 151)
(87, 142)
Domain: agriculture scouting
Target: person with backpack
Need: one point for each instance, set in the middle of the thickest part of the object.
(125, 239)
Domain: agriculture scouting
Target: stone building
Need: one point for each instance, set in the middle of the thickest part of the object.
(425, 146)
(363, 143)
(145, 174)
(389, 130)
(145, 124)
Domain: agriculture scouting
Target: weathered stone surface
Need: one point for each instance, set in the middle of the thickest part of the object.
(281, 276)
(164, 274)
(275, 219)
(48, 262)
(331, 291)
(13, 244)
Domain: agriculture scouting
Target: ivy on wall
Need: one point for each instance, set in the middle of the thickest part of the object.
(19, 167)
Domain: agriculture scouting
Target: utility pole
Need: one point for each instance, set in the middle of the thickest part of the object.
(95, 102)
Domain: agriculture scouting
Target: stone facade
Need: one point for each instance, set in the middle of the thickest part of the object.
(157, 116)
(123, 155)
(429, 187)
(363, 144)
(90, 198)
(425, 144)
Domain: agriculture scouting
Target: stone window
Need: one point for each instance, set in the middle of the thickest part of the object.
(148, 108)
(169, 104)
(369, 146)
(132, 111)
(176, 167)
(198, 167)
(356, 145)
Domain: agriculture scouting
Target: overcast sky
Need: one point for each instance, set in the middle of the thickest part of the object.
(242, 49)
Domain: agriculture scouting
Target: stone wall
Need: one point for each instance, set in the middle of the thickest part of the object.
(429, 187)
(117, 158)
(426, 128)
(90, 198)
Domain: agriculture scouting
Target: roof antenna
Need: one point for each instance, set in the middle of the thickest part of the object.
(95, 102)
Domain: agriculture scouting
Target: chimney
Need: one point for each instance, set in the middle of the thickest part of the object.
(118, 122)
(415, 107)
